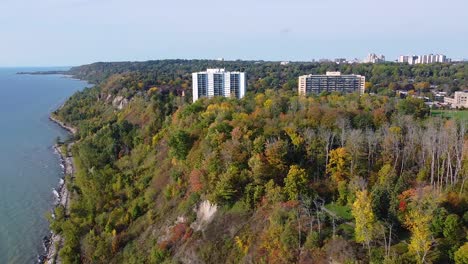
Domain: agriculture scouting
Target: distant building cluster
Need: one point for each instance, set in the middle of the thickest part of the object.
(341, 60)
(331, 82)
(423, 59)
(374, 58)
(337, 61)
(371, 58)
(459, 100)
(380, 58)
(440, 98)
(218, 82)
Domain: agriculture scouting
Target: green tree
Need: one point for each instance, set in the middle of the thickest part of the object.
(296, 182)
(438, 221)
(413, 106)
(180, 143)
(453, 232)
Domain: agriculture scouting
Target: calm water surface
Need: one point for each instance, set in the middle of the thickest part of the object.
(29, 169)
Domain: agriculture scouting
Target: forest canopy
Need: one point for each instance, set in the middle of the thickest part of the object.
(282, 178)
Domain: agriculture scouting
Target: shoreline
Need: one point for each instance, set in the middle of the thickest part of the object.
(54, 242)
(70, 129)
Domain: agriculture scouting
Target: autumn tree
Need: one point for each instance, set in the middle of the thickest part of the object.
(296, 182)
(418, 217)
(338, 165)
(338, 168)
(422, 86)
(420, 242)
(461, 255)
(366, 224)
(275, 153)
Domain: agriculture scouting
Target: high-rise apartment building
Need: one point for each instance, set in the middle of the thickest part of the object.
(331, 82)
(218, 82)
(374, 58)
(403, 59)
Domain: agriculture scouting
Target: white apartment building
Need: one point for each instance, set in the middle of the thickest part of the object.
(218, 82)
(331, 82)
(374, 58)
(460, 99)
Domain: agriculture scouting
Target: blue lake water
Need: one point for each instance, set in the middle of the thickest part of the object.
(29, 169)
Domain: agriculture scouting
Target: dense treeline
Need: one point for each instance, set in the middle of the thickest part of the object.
(381, 78)
(292, 179)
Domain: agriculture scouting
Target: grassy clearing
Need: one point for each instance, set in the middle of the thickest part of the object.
(342, 211)
(457, 114)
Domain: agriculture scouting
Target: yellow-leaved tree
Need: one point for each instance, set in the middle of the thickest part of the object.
(338, 168)
(423, 202)
(366, 225)
(338, 165)
(420, 243)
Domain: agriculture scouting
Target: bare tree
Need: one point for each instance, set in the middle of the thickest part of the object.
(319, 204)
(430, 146)
(355, 146)
(328, 137)
(343, 124)
(373, 141)
(387, 239)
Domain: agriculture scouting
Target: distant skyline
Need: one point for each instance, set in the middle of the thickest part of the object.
(75, 32)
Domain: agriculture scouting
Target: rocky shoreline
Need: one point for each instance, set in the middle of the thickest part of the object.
(70, 129)
(53, 242)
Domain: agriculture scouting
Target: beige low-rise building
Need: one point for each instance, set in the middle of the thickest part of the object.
(459, 100)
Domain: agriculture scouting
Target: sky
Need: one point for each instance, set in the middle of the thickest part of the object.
(76, 32)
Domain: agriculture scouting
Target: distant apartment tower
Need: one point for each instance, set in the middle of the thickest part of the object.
(331, 82)
(374, 58)
(403, 59)
(218, 82)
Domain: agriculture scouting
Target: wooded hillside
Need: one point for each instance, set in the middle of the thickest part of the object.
(270, 178)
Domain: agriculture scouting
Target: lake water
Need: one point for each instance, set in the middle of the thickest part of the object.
(29, 169)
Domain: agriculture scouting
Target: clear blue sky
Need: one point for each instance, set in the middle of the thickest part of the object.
(74, 32)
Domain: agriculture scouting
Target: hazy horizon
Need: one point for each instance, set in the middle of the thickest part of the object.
(53, 32)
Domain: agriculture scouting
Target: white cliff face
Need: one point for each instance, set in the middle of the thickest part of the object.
(123, 104)
(205, 214)
(117, 100)
(108, 98)
(120, 102)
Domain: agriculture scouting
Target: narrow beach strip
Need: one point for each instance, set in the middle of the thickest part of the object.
(54, 242)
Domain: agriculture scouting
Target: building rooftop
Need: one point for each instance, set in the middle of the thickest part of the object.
(215, 70)
(330, 73)
(333, 73)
